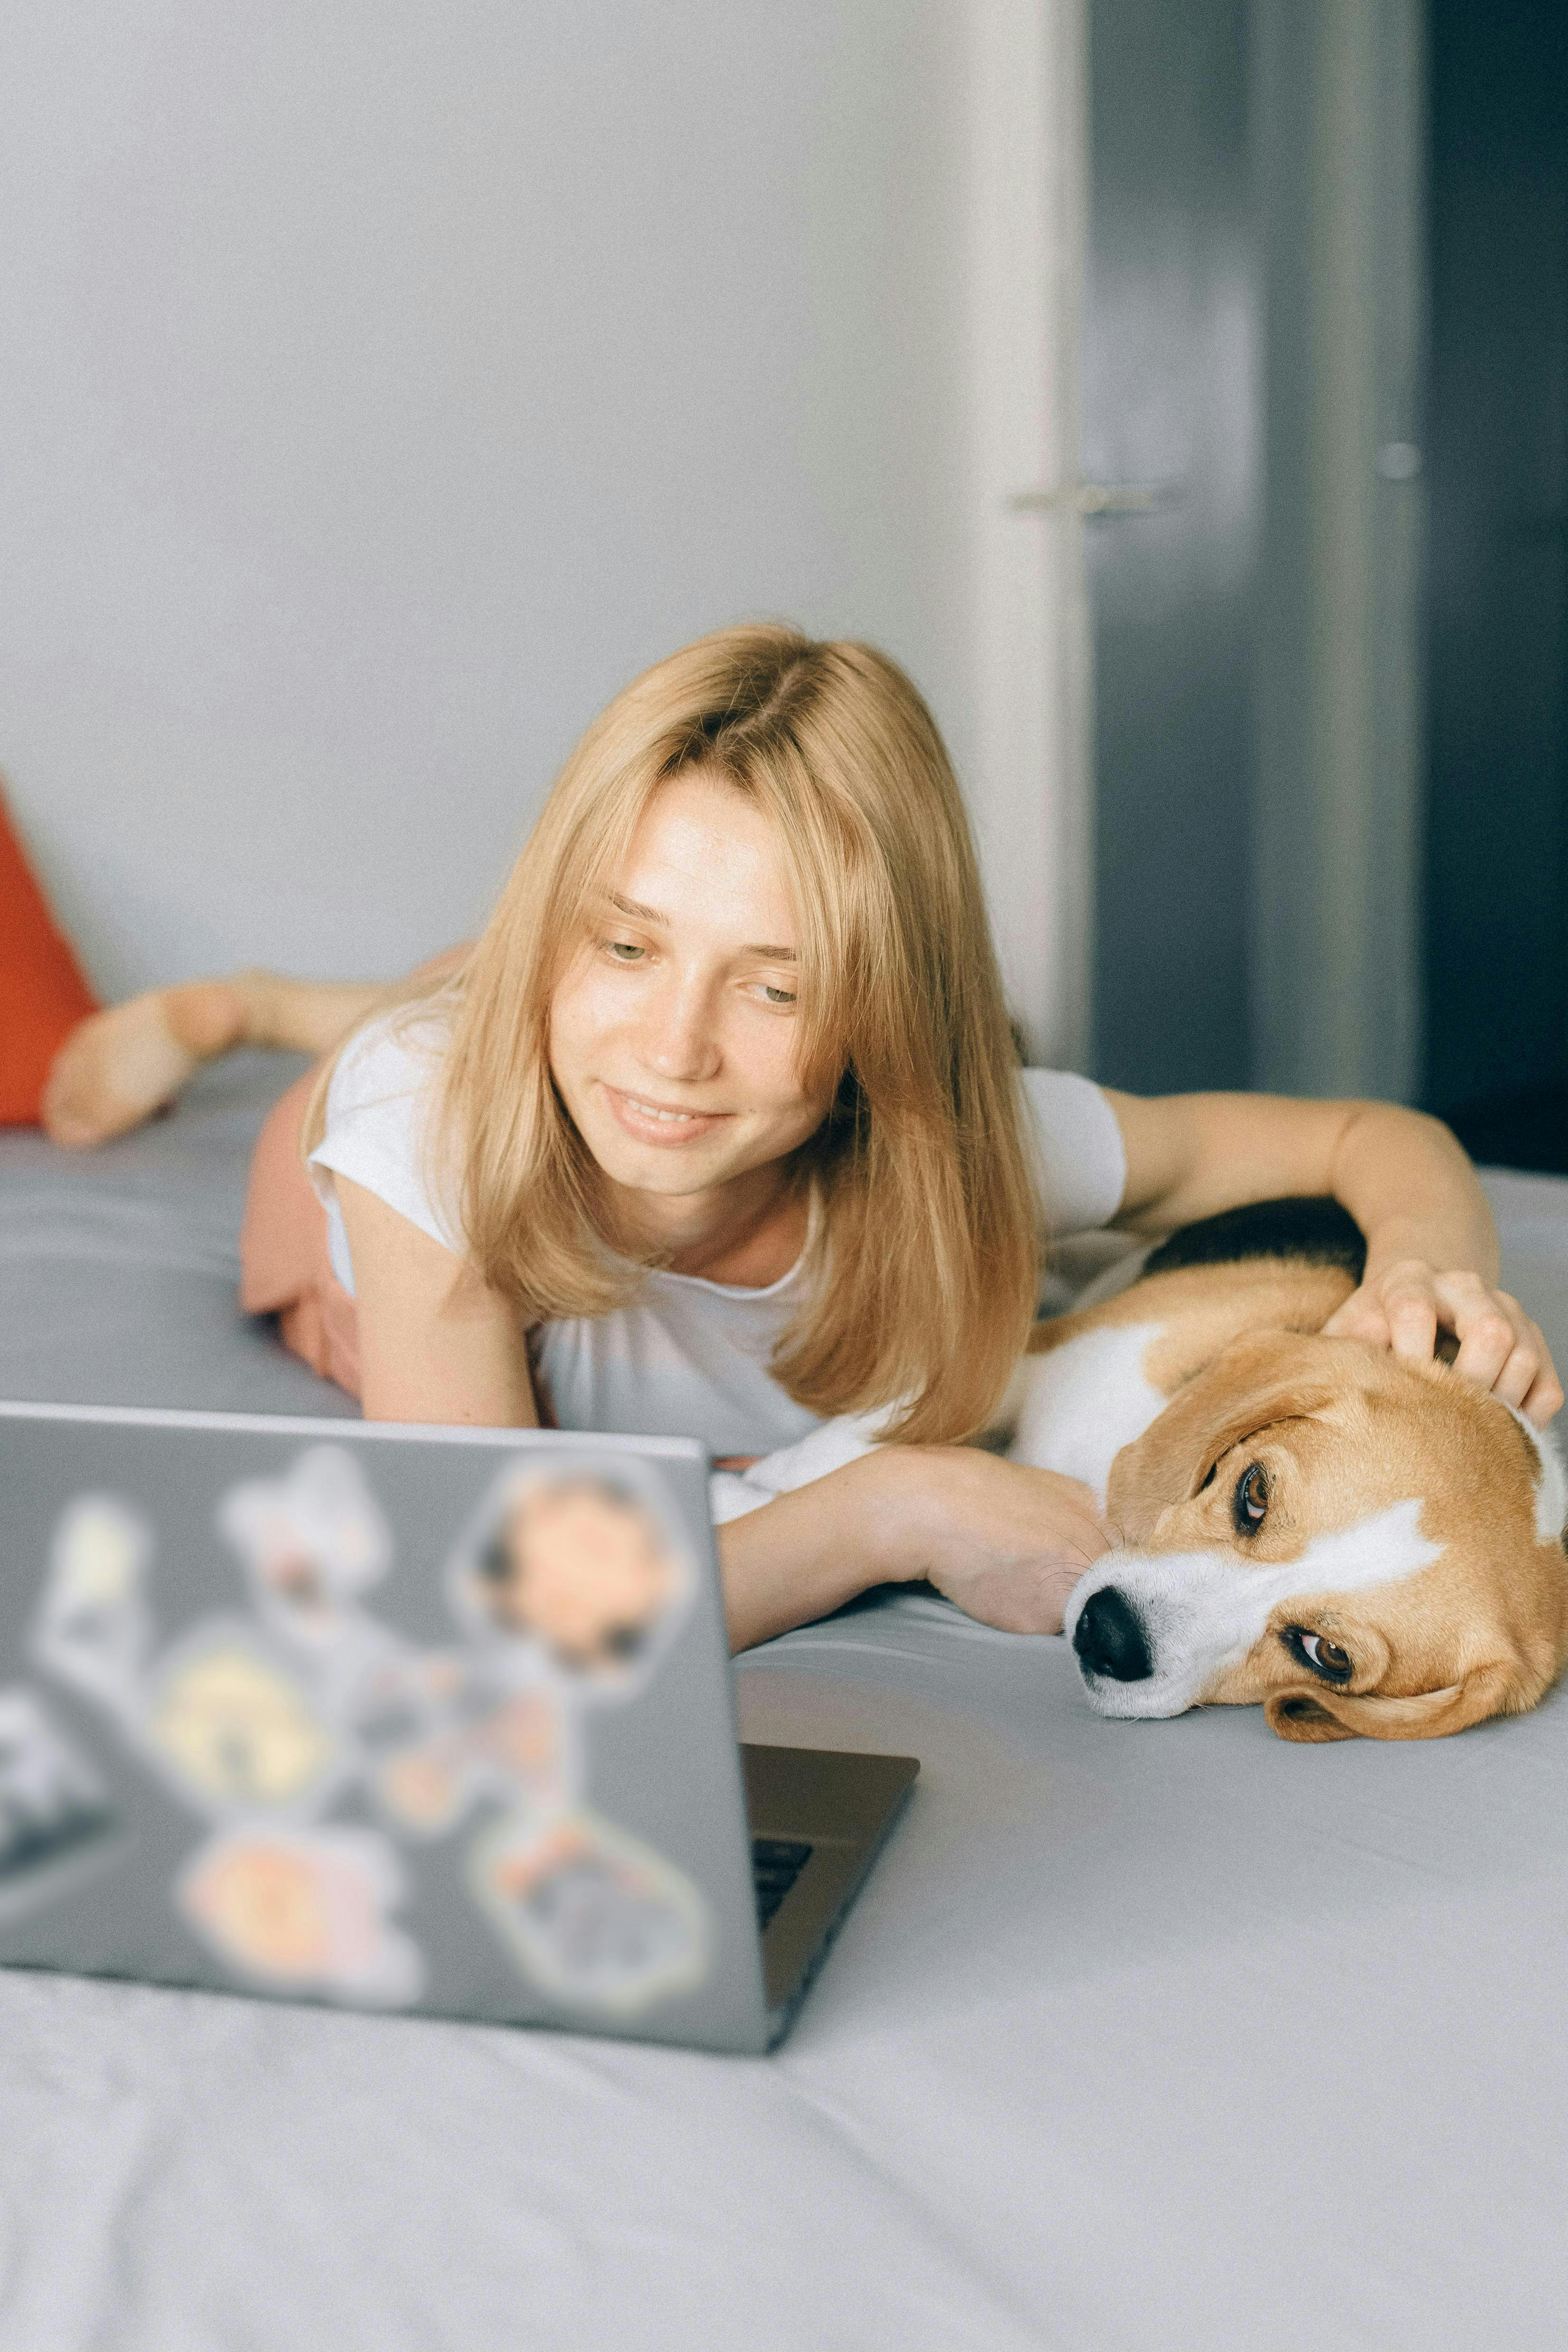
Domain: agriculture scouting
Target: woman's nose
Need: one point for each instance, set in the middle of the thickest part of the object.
(681, 1039)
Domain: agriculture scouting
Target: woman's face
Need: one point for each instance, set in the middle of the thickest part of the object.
(673, 1030)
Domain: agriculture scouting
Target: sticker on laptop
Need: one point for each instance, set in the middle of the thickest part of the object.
(55, 1812)
(592, 1916)
(585, 1573)
(235, 1730)
(566, 1590)
(313, 1543)
(92, 1628)
(305, 1911)
(524, 1751)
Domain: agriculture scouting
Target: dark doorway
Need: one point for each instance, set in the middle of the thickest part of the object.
(1171, 334)
(1497, 445)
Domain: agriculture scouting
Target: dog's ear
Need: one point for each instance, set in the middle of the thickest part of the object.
(1324, 1714)
(1262, 1379)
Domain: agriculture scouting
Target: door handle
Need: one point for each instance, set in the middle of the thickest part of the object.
(1109, 499)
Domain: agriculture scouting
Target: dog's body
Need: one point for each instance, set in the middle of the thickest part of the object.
(1363, 1545)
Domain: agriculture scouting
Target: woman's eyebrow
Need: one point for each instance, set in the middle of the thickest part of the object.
(641, 914)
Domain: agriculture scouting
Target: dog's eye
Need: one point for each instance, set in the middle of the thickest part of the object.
(1324, 1657)
(1249, 1504)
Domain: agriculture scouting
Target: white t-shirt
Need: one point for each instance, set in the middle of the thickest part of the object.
(685, 1357)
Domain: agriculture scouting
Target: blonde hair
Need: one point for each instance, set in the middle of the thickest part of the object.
(924, 1261)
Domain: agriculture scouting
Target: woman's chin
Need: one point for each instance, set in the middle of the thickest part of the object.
(664, 1168)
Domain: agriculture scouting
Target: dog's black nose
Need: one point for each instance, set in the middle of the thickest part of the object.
(1109, 1638)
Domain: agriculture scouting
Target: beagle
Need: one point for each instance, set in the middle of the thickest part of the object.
(1363, 1545)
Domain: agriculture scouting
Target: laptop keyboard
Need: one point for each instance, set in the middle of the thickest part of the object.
(775, 1864)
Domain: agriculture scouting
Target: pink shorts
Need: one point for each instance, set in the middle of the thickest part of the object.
(285, 1268)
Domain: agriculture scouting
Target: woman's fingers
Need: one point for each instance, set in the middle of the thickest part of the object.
(1500, 1348)
(1395, 1308)
(1362, 1317)
(1485, 1323)
(1490, 1327)
(1405, 1307)
(1545, 1397)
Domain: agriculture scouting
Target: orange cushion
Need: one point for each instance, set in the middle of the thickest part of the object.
(42, 993)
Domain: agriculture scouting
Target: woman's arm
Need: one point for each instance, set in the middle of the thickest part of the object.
(1431, 1245)
(435, 1344)
(1006, 1542)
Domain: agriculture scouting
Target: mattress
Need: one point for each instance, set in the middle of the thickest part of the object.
(1141, 2034)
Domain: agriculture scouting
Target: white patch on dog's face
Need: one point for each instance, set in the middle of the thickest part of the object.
(1550, 1484)
(1086, 1400)
(1202, 1611)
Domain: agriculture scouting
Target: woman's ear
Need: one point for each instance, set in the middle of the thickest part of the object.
(1261, 1379)
(1324, 1714)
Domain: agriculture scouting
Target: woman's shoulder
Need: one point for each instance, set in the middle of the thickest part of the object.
(378, 1129)
(1080, 1160)
(398, 1056)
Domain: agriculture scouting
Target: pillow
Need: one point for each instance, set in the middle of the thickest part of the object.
(42, 993)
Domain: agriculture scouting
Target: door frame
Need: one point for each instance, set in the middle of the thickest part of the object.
(1032, 794)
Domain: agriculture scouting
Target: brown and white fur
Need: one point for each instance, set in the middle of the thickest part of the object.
(1362, 1544)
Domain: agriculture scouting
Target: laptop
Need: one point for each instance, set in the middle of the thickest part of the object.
(425, 1720)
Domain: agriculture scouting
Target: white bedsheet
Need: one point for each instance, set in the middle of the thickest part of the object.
(1141, 2035)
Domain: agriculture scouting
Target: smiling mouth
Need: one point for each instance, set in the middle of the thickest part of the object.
(661, 1123)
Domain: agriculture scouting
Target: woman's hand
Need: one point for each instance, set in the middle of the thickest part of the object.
(1404, 1305)
(1006, 1542)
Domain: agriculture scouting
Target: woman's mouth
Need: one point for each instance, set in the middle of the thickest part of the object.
(653, 1123)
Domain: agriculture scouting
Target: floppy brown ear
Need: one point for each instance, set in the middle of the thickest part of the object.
(1255, 1381)
(1324, 1714)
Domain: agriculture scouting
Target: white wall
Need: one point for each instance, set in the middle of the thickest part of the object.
(385, 381)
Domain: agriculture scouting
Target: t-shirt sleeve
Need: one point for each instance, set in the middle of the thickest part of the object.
(378, 1104)
(1081, 1165)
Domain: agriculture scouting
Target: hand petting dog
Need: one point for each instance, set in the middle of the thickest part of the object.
(1408, 1307)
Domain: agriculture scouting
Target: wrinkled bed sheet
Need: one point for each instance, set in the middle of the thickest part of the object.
(1141, 2036)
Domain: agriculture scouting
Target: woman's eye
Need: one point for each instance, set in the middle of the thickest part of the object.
(625, 950)
(1326, 1656)
(1250, 1503)
(773, 996)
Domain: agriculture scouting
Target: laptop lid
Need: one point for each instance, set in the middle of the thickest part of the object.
(427, 1721)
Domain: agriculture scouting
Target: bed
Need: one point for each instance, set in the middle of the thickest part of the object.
(1140, 2035)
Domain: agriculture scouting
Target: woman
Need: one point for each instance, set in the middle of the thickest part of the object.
(718, 1128)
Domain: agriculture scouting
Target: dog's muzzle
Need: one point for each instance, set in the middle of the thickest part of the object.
(1109, 1639)
(1151, 1631)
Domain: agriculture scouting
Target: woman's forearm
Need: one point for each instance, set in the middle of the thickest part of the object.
(1413, 1191)
(1005, 1542)
(1402, 1175)
(1432, 1255)
(799, 1558)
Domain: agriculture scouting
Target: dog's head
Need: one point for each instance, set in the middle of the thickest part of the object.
(1365, 1546)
